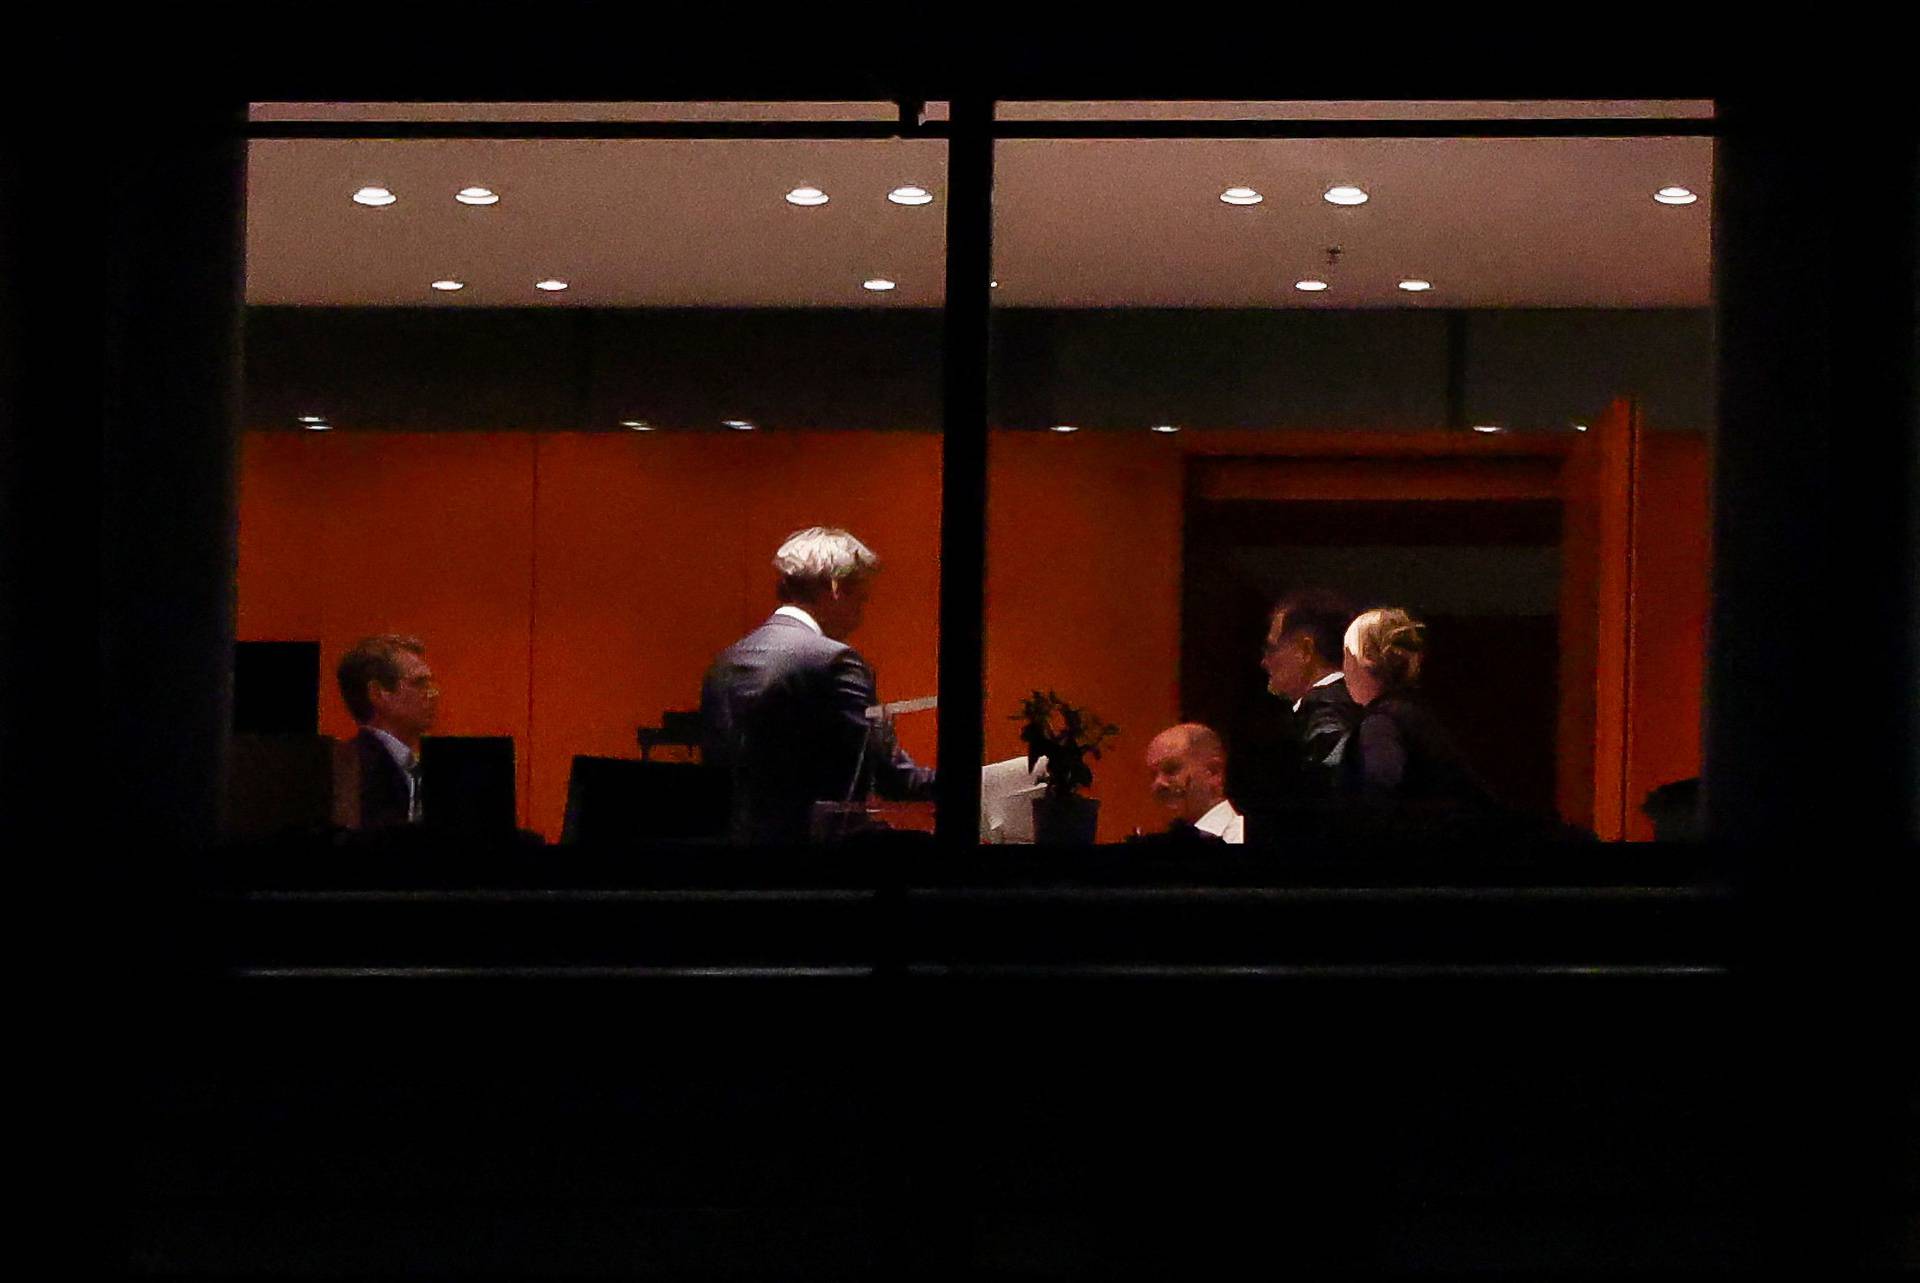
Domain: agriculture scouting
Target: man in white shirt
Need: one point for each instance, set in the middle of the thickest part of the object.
(1189, 765)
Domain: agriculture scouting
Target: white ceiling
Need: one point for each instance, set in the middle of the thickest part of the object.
(1539, 222)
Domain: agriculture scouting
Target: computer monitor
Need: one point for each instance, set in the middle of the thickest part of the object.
(276, 688)
(467, 783)
(619, 801)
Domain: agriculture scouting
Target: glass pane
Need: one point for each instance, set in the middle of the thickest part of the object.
(1468, 379)
(551, 407)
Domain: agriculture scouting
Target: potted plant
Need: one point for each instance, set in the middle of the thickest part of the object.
(1066, 736)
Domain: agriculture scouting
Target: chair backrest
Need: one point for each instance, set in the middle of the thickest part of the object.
(467, 783)
(279, 784)
(620, 801)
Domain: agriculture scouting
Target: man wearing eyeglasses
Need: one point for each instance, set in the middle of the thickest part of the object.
(389, 689)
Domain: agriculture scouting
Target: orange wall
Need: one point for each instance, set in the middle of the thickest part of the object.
(571, 587)
(1670, 583)
(653, 552)
(345, 534)
(1083, 596)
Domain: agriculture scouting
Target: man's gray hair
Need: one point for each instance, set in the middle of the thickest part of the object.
(813, 558)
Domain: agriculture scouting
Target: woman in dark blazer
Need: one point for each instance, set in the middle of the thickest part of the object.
(1399, 751)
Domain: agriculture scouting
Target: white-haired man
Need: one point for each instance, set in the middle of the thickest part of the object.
(784, 709)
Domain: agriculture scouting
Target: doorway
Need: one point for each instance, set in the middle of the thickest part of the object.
(1483, 573)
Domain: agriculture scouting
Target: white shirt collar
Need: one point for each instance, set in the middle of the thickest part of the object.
(400, 753)
(1335, 676)
(1224, 822)
(794, 612)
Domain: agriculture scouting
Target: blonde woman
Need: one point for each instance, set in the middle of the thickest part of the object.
(1400, 750)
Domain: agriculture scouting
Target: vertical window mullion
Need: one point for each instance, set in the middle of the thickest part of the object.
(963, 455)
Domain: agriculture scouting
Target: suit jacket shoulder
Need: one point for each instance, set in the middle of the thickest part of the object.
(383, 785)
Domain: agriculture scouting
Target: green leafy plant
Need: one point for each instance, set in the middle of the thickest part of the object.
(1066, 736)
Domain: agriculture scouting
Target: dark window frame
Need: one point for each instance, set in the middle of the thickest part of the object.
(972, 132)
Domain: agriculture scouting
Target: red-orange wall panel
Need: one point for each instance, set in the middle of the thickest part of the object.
(343, 534)
(654, 552)
(1083, 596)
(1671, 566)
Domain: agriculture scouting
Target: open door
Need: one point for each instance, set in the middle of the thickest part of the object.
(1634, 573)
(1596, 620)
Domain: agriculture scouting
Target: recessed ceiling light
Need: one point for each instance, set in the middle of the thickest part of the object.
(1311, 287)
(1579, 427)
(1345, 196)
(314, 423)
(1675, 196)
(312, 418)
(993, 285)
(550, 285)
(1413, 285)
(449, 285)
(1241, 196)
(1064, 427)
(1487, 427)
(738, 425)
(807, 197)
(910, 196)
(477, 196)
(374, 196)
(1164, 427)
(638, 425)
(879, 285)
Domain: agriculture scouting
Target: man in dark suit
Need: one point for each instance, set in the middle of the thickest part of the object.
(1303, 662)
(786, 709)
(389, 689)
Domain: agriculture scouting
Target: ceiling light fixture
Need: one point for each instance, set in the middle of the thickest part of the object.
(1675, 196)
(638, 425)
(1579, 427)
(738, 425)
(315, 423)
(1415, 285)
(1164, 427)
(879, 285)
(374, 196)
(550, 285)
(993, 285)
(449, 285)
(1345, 196)
(1063, 427)
(1241, 196)
(1311, 287)
(910, 196)
(477, 196)
(807, 197)
(1488, 427)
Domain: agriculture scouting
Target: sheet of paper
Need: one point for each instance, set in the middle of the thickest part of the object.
(1006, 792)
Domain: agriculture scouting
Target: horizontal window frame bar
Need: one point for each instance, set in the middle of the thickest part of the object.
(1012, 130)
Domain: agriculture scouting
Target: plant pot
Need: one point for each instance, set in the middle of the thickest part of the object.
(1065, 821)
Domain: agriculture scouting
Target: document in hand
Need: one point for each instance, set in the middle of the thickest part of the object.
(1007, 790)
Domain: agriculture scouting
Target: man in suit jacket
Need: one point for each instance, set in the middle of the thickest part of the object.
(785, 708)
(1303, 662)
(389, 689)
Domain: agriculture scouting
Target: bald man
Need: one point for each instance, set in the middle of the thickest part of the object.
(1189, 765)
